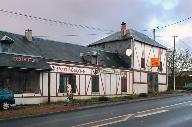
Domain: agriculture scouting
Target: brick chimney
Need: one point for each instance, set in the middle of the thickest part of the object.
(123, 28)
(28, 35)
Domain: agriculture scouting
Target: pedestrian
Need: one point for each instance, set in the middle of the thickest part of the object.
(69, 92)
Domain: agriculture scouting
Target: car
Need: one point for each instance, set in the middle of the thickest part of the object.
(6, 98)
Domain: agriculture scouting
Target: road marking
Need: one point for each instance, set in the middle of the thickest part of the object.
(163, 107)
(151, 113)
(105, 122)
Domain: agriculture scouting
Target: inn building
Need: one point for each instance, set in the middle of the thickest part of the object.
(38, 70)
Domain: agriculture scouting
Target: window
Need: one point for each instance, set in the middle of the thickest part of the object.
(103, 46)
(64, 80)
(123, 84)
(161, 67)
(94, 60)
(20, 81)
(5, 47)
(95, 83)
(5, 44)
(142, 62)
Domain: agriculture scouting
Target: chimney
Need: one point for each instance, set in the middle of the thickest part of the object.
(123, 28)
(28, 35)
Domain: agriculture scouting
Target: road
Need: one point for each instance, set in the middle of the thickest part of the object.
(167, 112)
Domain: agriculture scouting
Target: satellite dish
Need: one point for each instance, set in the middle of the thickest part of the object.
(128, 52)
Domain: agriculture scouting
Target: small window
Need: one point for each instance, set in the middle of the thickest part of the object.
(94, 60)
(5, 47)
(5, 44)
(142, 62)
(64, 80)
(95, 83)
(161, 67)
(103, 46)
(123, 84)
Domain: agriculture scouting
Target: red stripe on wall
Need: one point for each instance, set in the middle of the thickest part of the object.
(79, 86)
(85, 85)
(56, 86)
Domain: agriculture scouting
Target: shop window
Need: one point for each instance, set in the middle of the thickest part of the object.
(123, 84)
(142, 62)
(20, 81)
(95, 83)
(64, 80)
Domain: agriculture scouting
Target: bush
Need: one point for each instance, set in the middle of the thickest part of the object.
(103, 98)
(143, 95)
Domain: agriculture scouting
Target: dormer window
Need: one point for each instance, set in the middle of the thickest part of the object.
(94, 59)
(5, 44)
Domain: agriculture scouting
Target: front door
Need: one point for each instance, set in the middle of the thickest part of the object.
(152, 80)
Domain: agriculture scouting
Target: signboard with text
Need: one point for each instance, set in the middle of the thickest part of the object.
(155, 62)
(70, 69)
(25, 59)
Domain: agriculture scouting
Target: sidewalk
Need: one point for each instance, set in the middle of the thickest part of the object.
(22, 112)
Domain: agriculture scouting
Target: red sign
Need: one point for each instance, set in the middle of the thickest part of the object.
(25, 59)
(155, 62)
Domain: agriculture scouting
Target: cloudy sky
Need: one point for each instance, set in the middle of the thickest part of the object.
(141, 15)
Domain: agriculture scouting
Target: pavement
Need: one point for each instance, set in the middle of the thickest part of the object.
(166, 111)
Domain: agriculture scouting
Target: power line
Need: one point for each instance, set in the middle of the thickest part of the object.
(188, 46)
(169, 25)
(56, 21)
(178, 22)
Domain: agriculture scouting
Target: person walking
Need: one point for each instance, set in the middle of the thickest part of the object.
(69, 92)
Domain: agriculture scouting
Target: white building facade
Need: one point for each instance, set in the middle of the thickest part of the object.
(102, 70)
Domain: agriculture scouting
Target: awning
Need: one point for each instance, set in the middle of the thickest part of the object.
(23, 62)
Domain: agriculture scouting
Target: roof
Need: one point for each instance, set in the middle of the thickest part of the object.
(54, 50)
(20, 61)
(130, 34)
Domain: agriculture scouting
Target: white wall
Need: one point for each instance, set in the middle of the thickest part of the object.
(140, 50)
(45, 84)
(140, 88)
(162, 88)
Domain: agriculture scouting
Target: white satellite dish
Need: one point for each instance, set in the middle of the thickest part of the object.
(128, 52)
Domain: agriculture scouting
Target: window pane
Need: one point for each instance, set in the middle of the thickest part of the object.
(142, 62)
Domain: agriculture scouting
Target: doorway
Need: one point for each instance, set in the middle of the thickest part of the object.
(152, 79)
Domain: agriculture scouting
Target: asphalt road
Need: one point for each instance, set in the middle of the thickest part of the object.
(167, 112)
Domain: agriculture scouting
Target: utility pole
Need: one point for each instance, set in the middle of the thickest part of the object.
(154, 34)
(174, 37)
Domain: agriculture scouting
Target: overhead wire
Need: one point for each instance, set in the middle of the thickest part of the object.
(56, 21)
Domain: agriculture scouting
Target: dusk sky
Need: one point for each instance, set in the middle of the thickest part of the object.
(140, 15)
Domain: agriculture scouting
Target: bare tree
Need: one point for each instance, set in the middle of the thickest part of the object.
(183, 61)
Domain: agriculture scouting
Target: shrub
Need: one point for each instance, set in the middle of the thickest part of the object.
(143, 95)
(103, 98)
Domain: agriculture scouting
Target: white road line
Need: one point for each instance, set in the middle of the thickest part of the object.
(151, 113)
(105, 122)
(163, 107)
(122, 118)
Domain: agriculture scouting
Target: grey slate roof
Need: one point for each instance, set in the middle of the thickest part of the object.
(8, 60)
(130, 34)
(54, 50)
